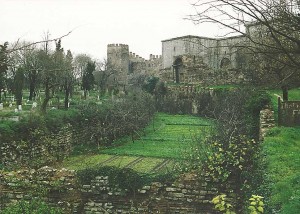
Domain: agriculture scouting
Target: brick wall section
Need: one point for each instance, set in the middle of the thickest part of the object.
(187, 195)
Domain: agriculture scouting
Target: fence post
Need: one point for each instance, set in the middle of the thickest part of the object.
(279, 112)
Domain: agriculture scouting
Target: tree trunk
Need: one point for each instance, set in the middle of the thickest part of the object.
(67, 93)
(31, 91)
(84, 93)
(285, 93)
(46, 99)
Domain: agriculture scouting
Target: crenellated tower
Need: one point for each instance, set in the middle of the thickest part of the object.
(118, 60)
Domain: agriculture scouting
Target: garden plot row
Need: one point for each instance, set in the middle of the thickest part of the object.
(139, 164)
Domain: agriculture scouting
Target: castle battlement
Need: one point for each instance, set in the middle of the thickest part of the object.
(129, 62)
(118, 45)
(136, 57)
(154, 57)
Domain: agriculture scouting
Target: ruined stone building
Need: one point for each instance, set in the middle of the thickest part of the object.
(187, 59)
(125, 63)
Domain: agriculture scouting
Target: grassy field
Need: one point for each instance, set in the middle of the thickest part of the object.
(164, 143)
(170, 135)
(282, 152)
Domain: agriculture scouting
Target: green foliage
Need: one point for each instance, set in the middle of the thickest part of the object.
(19, 82)
(31, 207)
(3, 66)
(149, 84)
(102, 124)
(54, 120)
(88, 77)
(222, 204)
(256, 204)
(6, 129)
(229, 159)
(236, 110)
(253, 106)
(233, 152)
(123, 178)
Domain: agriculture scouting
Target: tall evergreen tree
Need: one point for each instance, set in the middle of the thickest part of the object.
(88, 77)
(19, 83)
(68, 77)
(3, 66)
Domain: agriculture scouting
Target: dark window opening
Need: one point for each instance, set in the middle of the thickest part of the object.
(177, 70)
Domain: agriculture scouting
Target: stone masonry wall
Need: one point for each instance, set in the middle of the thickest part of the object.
(187, 195)
(266, 121)
(39, 152)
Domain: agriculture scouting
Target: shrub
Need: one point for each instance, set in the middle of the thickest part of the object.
(31, 207)
(256, 204)
(222, 204)
(124, 178)
(54, 120)
(6, 130)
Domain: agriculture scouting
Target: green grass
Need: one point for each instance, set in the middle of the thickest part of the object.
(147, 164)
(121, 161)
(166, 137)
(84, 161)
(170, 135)
(294, 94)
(224, 86)
(282, 149)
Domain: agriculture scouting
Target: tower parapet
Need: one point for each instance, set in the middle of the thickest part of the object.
(118, 45)
(118, 59)
(154, 57)
(118, 56)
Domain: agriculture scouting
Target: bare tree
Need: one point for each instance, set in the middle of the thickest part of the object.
(52, 67)
(26, 58)
(103, 75)
(80, 63)
(271, 28)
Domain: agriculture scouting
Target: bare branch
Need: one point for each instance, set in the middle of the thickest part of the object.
(15, 48)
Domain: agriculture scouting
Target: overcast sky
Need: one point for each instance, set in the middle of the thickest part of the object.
(141, 24)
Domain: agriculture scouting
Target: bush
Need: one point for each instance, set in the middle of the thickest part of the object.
(56, 119)
(31, 207)
(124, 178)
(6, 130)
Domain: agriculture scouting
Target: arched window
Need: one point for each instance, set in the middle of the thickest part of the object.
(225, 63)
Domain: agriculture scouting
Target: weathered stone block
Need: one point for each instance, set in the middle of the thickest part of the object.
(171, 189)
(178, 195)
(203, 192)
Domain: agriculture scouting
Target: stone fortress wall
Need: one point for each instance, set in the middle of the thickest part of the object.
(190, 59)
(193, 59)
(119, 58)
